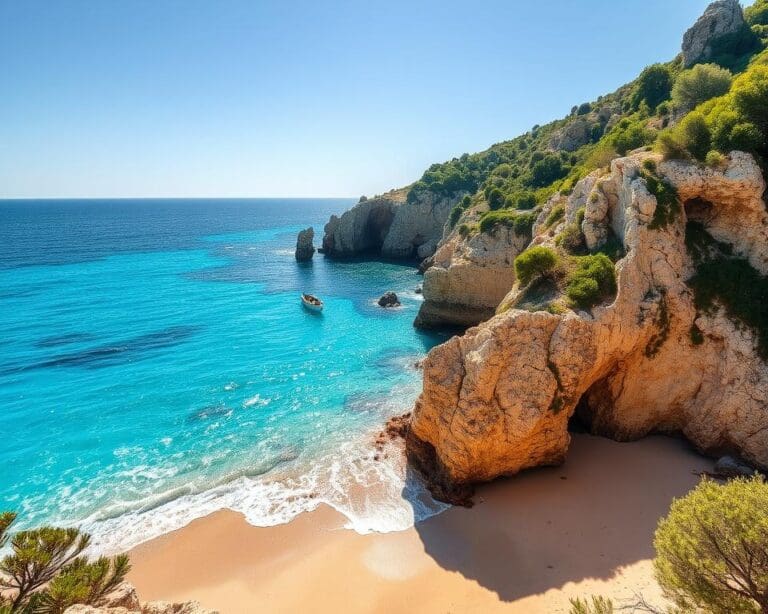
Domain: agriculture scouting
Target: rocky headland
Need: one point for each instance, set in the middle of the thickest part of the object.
(642, 234)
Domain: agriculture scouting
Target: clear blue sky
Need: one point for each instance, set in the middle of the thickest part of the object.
(139, 98)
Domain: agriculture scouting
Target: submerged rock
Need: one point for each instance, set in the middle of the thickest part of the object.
(304, 247)
(389, 299)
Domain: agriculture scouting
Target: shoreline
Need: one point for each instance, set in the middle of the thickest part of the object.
(529, 543)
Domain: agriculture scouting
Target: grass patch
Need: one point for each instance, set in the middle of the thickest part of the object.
(557, 214)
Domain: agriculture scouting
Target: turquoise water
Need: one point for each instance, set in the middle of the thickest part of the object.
(156, 365)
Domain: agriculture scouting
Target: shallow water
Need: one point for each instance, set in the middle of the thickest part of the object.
(156, 365)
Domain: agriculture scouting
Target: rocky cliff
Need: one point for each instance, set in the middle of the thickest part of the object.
(468, 278)
(654, 358)
(721, 18)
(390, 226)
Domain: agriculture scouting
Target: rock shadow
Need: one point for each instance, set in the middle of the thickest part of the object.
(586, 519)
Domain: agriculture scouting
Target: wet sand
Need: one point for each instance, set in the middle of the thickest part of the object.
(529, 544)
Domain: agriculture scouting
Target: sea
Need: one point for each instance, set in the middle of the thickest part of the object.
(156, 365)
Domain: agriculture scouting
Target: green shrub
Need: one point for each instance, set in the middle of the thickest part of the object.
(712, 548)
(714, 159)
(545, 171)
(695, 135)
(667, 202)
(495, 199)
(557, 213)
(699, 84)
(652, 87)
(522, 223)
(534, 262)
(464, 230)
(572, 239)
(584, 108)
(525, 200)
(591, 281)
(757, 14)
(629, 135)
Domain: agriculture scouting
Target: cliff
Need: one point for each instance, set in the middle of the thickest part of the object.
(657, 357)
(390, 226)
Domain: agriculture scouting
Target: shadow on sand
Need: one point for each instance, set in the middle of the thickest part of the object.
(547, 527)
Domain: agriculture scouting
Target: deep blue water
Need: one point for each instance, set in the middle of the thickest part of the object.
(156, 365)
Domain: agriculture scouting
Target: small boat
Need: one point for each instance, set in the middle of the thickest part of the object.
(311, 302)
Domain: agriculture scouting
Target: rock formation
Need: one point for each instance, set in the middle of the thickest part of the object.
(721, 18)
(498, 399)
(389, 226)
(304, 247)
(389, 299)
(468, 278)
(124, 600)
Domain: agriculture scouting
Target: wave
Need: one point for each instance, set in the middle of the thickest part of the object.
(374, 494)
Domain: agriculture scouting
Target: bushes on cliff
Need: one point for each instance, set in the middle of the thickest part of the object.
(591, 281)
(712, 548)
(735, 121)
(534, 262)
(653, 86)
(46, 571)
(522, 223)
(699, 84)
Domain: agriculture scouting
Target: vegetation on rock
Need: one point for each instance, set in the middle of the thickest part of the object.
(534, 262)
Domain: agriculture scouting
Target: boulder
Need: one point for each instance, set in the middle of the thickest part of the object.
(389, 299)
(304, 247)
(498, 399)
(719, 19)
(730, 467)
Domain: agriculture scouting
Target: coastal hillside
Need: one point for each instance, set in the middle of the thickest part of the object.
(628, 285)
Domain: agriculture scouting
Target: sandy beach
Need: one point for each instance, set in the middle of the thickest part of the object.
(529, 544)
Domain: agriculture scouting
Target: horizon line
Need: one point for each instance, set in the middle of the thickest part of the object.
(12, 198)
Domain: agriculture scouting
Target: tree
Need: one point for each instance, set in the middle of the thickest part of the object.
(695, 135)
(699, 84)
(47, 573)
(653, 86)
(712, 548)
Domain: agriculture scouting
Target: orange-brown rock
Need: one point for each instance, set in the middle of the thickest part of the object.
(498, 399)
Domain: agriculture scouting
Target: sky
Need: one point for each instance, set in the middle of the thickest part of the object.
(287, 98)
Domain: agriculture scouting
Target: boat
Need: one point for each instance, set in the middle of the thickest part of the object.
(311, 302)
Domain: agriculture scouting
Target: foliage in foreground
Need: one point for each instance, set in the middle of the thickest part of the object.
(712, 548)
(46, 571)
(596, 605)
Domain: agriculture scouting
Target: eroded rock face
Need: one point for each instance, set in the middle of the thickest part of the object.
(390, 226)
(304, 247)
(468, 277)
(721, 17)
(498, 399)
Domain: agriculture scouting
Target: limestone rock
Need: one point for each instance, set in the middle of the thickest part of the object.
(498, 399)
(124, 596)
(391, 227)
(468, 278)
(389, 299)
(304, 247)
(165, 607)
(720, 18)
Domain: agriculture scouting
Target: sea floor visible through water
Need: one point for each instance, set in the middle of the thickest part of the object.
(156, 365)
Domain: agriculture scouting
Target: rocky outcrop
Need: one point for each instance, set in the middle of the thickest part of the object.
(468, 278)
(304, 247)
(124, 600)
(389, 226)
(363, 228)
(498, 399)
(389, 299)
(721, 18)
